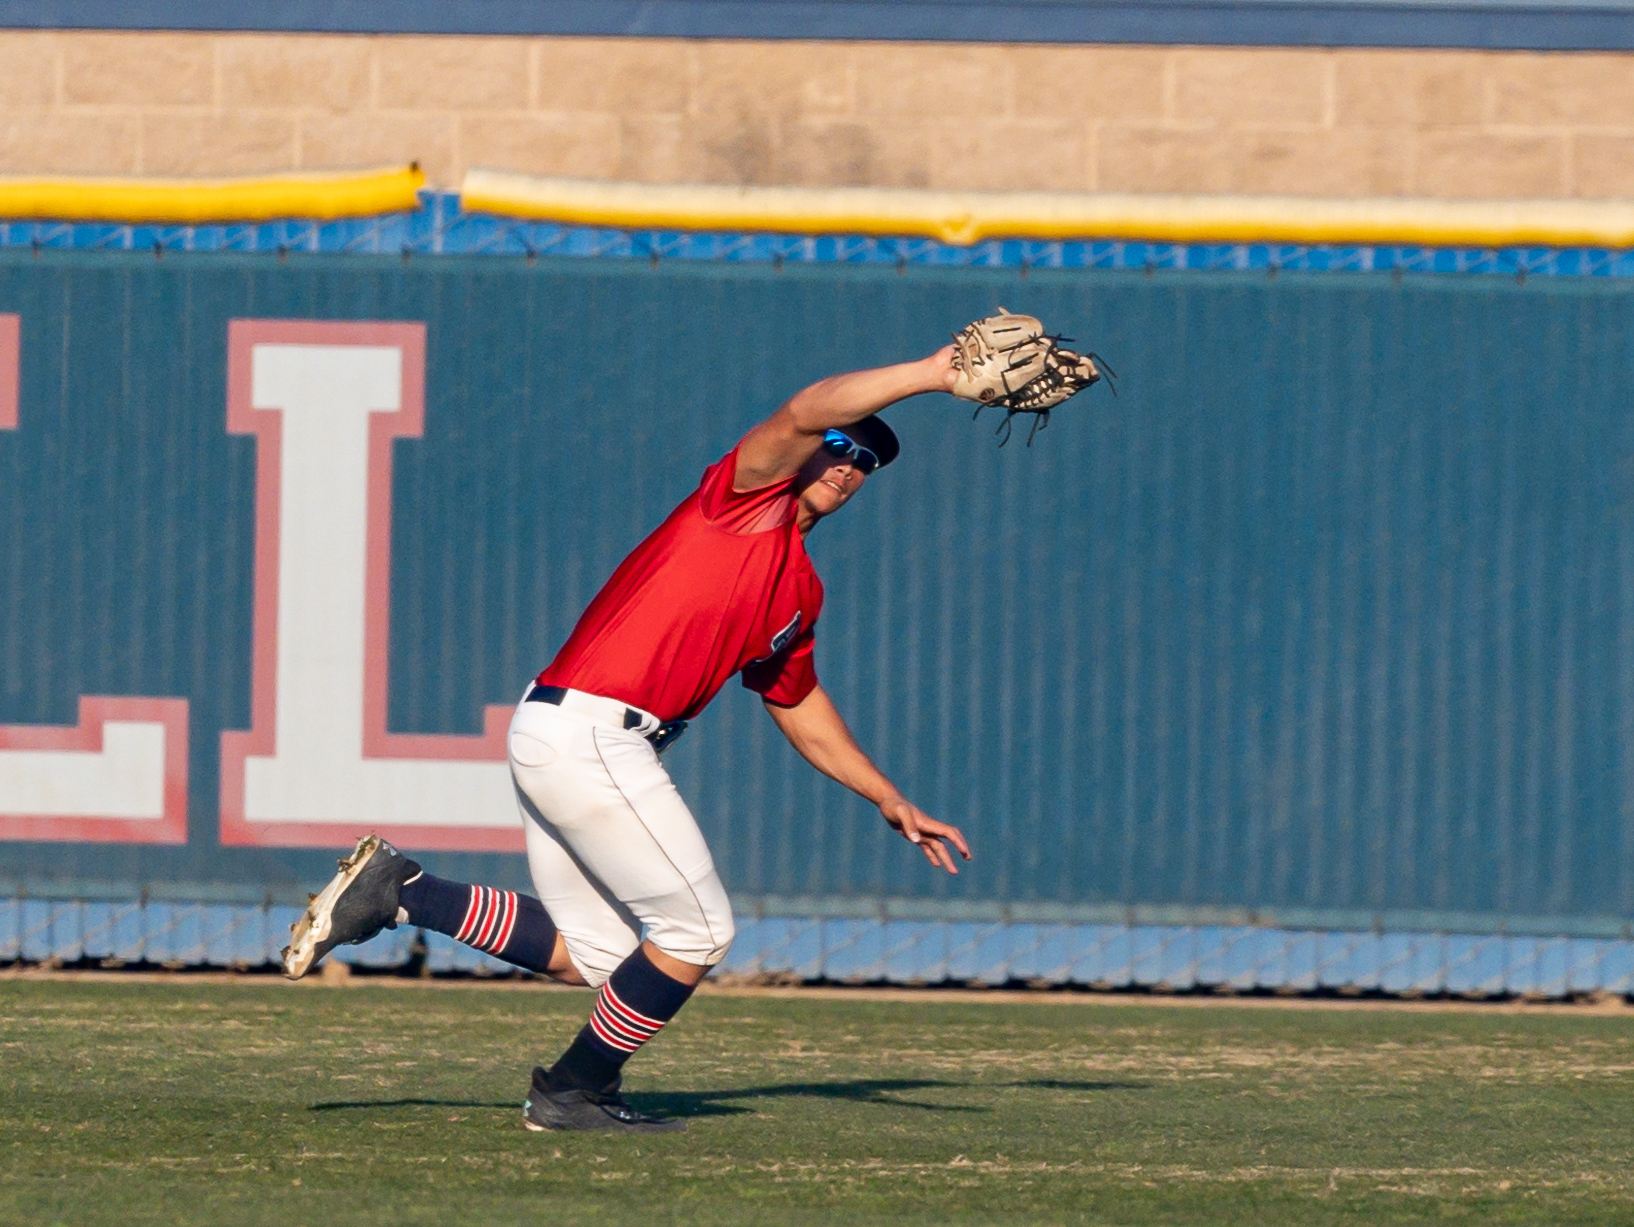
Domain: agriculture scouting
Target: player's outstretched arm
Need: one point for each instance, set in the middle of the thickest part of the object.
(783, 442)
(815, 727)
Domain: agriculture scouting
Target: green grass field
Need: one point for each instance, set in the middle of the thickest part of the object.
(225, 1103)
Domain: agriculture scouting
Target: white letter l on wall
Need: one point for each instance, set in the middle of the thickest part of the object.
(317, 767)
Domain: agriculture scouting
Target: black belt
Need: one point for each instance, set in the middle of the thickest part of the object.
(661, 737)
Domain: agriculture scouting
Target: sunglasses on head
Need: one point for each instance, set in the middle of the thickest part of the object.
(842, 447)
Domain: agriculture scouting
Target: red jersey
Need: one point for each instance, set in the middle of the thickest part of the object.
(723, 585)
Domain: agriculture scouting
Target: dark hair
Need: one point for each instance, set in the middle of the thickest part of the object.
(876, 436)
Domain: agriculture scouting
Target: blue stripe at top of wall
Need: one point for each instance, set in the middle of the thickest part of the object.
(441, 227)
(1535, 25)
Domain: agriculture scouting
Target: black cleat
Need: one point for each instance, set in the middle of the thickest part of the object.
(582, 1111)
(359, 901)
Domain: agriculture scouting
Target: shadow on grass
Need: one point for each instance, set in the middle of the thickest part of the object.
(338, 1104)
(875, 1091)
(882, 1091)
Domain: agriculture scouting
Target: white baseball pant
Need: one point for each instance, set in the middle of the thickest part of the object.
(612, 847)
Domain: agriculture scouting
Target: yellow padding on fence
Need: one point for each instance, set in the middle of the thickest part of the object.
(318, 194)
(962, 218)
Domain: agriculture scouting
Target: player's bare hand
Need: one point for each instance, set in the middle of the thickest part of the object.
(918, 827)
(942, 373)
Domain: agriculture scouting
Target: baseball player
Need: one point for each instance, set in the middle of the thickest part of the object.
(629, 900)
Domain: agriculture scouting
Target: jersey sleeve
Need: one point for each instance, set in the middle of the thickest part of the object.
(743, 511)
(787, 678)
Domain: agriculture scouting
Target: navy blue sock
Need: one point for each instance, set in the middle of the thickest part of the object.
(631, 1008)
(502, 923)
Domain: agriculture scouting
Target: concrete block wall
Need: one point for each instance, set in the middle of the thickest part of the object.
(1142, 119)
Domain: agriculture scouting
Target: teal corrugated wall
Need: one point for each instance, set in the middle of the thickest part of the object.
(1331, 609)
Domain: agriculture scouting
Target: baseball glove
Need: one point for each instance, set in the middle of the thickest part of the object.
(1010, 361)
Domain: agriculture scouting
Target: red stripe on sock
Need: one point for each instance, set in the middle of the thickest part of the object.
(490, 917)
(619, 1020)
(470, 916)
(496, 921)
(609, 1038)
(636, 1016)
(507, 926)
(626, 1022)
(611, 1018)
(611, 1023)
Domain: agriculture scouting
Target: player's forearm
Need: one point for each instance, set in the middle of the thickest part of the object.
(819, 734)
(814, 727)
(783, 442)
(841, 400)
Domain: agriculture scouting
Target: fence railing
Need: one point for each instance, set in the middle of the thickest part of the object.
(1110, 956)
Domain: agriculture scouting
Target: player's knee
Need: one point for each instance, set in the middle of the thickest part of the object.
(721, 934)
(701, 940)
(730, 931)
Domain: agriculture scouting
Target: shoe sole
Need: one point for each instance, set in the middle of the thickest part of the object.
(533, 1126)
(314, 925)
